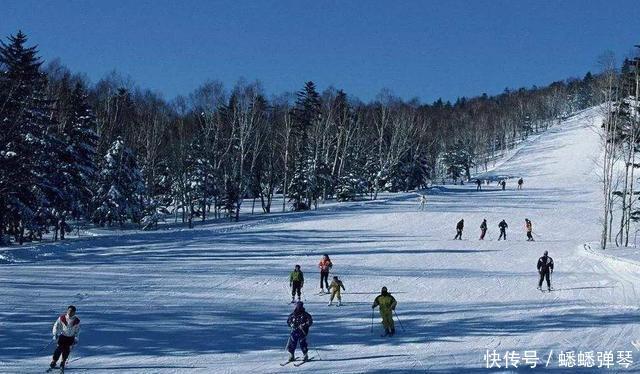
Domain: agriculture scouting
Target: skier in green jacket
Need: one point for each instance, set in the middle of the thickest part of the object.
(387, 305)
(296, 282)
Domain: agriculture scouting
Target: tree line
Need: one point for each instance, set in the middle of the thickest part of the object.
(111, 153)
(620, 93)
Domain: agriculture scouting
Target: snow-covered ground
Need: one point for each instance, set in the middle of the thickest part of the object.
(215, 299)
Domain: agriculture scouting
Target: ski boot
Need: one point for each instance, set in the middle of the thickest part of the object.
(330, 303)
(305, 357)
(339, 302)
(291, 357)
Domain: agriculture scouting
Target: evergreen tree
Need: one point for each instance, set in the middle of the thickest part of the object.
(303, 188)
(27, 153)
(120, 187)
(78, 131)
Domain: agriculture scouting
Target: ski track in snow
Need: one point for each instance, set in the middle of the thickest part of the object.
(215, 299)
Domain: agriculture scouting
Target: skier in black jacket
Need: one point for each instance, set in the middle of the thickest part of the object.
(503, 230)
(545, 268)
(299, 321)
(459, 228)
(483, 229)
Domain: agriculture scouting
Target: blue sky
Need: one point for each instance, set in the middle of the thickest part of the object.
(424, 49)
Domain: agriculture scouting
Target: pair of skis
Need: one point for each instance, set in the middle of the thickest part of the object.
(60, 370)
(296, 362)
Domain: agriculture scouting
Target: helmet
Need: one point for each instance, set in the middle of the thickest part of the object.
(546, 253)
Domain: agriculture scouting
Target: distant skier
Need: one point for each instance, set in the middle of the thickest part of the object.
(325, 265)
(503, 230)
(459, 228)
(299, 321)
(336, 285)
(545, 269)
(66, 331)
(387, 305)
(520, 183)
(479, 185)
(296, 282)
(483, 229)
(529, 228)
(423, 201)
(503, 184)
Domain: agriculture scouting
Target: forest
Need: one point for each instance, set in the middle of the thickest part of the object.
(111, 153)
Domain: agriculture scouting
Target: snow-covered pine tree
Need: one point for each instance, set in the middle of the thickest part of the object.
(119, 196)
(27, 147)
(78, 131)
(303, 188)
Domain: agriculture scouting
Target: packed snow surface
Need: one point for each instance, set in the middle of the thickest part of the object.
(215, 299)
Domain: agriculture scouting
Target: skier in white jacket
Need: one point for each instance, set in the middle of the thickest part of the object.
(66, 331)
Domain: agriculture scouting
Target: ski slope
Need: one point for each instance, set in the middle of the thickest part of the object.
(215, 299)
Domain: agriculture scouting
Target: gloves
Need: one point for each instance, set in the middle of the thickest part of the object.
(54, 338)
(75, 341)
(290, 284)
(373, 306)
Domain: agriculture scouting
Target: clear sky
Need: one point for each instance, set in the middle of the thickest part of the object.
(424, 49)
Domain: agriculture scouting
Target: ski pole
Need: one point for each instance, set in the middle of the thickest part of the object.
(286, 347)
(398, 318)
(371, 320)
(45, 347)
(314, 348)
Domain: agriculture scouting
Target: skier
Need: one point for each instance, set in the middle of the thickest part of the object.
(66, 331)
(529, 228)
(520, 183)
(459, 228)
(325, 265)
(545, 268)
(503, 230)
(387, 305)
(299, 321)
(423, 201)
(503, 184)
(335, 286)
(296, 282)
(479, 185)
(483, 229)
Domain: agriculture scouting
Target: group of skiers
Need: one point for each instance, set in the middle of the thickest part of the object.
(501, 183)
(502, 226)
(300, 320)
(296, 281)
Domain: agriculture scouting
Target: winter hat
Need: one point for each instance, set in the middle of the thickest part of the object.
(299, 306)
(297, 266)
(546, 253)
(384, 290)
